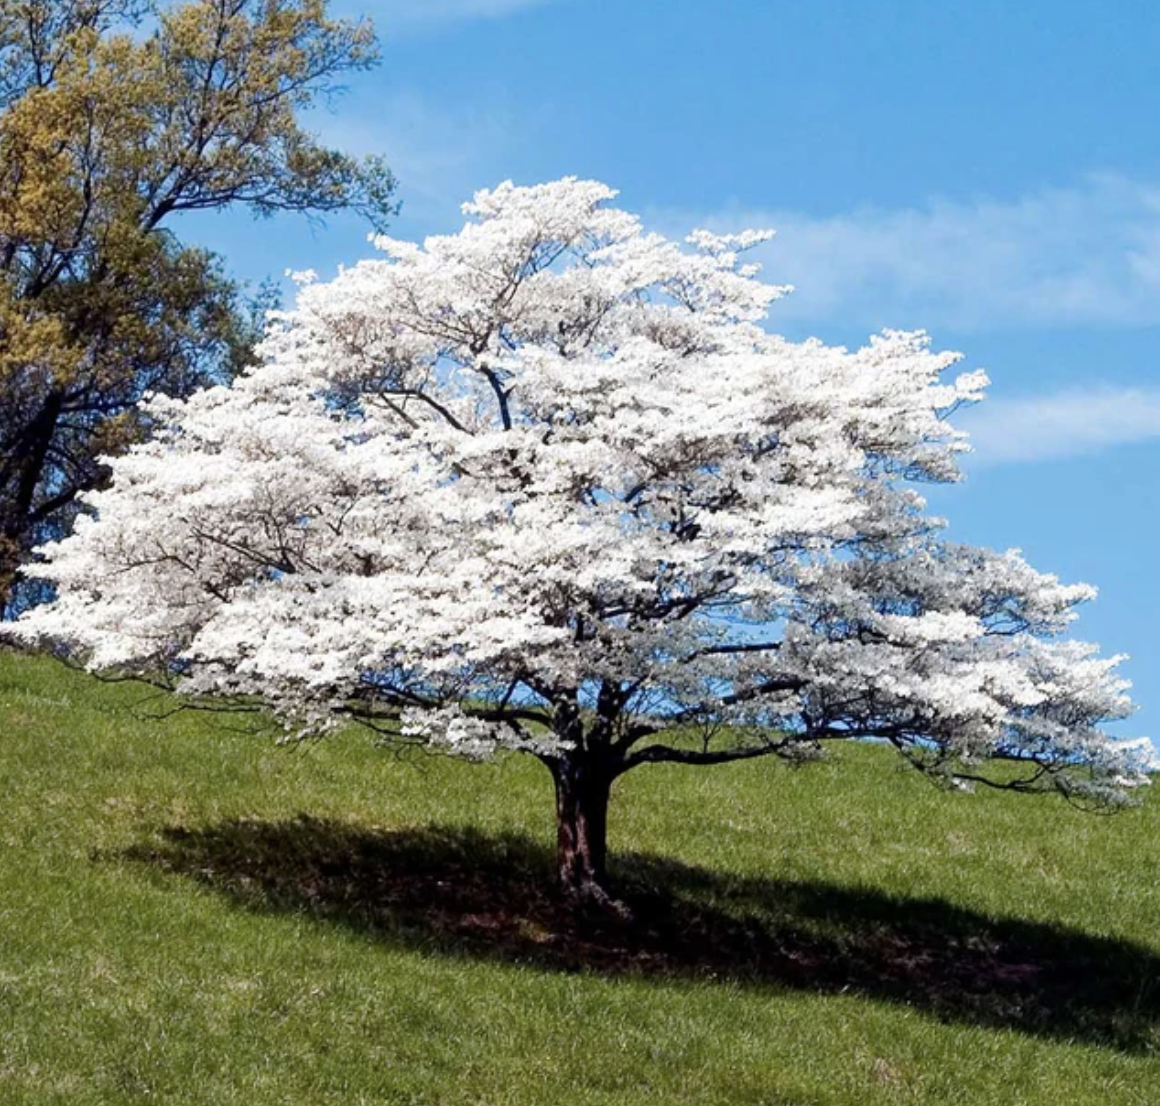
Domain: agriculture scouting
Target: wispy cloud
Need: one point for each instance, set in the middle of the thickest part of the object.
(1079, 256)
(1067, 424)
(440, 154)
(395, 17)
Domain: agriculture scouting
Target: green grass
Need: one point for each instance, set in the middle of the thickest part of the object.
(190, 914)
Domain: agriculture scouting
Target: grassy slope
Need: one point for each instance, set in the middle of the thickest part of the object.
(845, 933)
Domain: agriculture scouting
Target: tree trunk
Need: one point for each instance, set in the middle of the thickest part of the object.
(16, 503)
(9, 566)
(583, 788)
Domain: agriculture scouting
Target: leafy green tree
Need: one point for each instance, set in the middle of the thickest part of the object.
(115, 117)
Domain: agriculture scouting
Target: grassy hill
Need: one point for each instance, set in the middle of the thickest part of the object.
(191, 914)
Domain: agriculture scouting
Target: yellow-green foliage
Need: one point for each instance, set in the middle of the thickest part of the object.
(111, 123)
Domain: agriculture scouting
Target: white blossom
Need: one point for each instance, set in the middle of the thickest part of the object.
(556, 464)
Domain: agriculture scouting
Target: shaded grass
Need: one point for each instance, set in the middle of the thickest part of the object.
(471, 894)
(191, 915)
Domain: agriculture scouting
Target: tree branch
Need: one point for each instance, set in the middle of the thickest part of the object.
(667, 754)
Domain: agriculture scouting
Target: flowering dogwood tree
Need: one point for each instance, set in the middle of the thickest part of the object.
(548, 485)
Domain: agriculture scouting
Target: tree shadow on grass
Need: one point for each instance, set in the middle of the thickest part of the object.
(464, 892)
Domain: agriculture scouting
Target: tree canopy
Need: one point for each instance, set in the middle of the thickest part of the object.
(549, 485)
(115, 118)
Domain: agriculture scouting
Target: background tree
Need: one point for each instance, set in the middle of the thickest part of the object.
(546, 485)
(115, 117)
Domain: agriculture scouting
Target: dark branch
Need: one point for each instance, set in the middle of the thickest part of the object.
(666, 754)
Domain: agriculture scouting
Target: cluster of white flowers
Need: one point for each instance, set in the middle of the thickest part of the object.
(554, 456)
(452, 730)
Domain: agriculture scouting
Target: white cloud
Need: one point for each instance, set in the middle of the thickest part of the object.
(1085, 255)
(1067, 424)
(395, 17)
(440, 155)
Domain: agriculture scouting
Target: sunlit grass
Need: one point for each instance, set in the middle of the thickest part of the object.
(191, 914)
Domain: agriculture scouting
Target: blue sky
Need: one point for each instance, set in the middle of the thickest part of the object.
(987, 171)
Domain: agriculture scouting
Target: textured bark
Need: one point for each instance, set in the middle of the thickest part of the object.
(583, 788)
